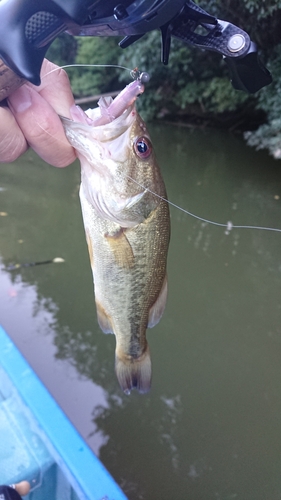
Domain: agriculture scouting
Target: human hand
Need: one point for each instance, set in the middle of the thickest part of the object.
(32, 119)
(15, 491)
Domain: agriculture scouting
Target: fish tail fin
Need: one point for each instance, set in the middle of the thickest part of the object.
(133, 373)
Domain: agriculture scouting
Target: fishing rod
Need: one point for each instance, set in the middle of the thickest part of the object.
(28, 28)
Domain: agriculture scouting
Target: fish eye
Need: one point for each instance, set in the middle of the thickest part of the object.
(143, 147)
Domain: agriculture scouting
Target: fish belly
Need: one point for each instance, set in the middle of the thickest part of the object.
(129, 272)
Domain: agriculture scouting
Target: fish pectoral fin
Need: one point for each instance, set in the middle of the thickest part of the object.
(104, 319)
(133, 373)
(121, 249)
(156, 311)
(133, 200)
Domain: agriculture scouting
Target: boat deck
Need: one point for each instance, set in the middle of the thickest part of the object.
(39, 444)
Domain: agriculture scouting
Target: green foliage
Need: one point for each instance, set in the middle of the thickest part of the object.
(214, 96)
(195, 85)
(63, 50)
(94, 51)
(262, 9)
(194, 81)
(268, 135)
(87, 51)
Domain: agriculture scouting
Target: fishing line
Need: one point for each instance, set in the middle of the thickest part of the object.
(117, 66)
(229, 226)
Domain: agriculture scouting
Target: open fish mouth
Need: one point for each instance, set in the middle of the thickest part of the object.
(109, 109)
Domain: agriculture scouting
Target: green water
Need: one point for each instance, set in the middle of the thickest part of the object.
(210, 429)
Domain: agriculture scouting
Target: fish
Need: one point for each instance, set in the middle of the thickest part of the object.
(127, 226)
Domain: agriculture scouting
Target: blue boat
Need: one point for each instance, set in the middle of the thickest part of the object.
(39, 444)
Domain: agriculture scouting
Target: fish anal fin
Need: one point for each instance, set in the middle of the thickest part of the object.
(157, 310)
(104, 319)
(90, 247)
(133, 373)
(121, 249)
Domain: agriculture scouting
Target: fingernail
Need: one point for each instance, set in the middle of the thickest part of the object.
(20, 100)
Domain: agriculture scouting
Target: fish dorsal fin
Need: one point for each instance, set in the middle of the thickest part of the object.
(156, 311)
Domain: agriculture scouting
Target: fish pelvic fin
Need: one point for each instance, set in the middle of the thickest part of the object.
(133, 373)
(121, 249)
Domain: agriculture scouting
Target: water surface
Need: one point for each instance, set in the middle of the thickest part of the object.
(210, 427)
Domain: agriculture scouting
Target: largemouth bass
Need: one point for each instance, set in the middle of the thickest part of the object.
(127, 226)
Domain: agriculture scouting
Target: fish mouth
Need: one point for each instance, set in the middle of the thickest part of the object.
(109, 111)
(101, 133)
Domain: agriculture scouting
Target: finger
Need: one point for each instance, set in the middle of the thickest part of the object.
(55, 88)
(41, 126)
(13, 142)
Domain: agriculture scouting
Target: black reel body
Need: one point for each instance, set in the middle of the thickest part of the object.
(28, 29)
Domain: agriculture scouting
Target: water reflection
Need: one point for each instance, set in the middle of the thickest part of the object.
(209, 429)
(31, 319)
(170, 421)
